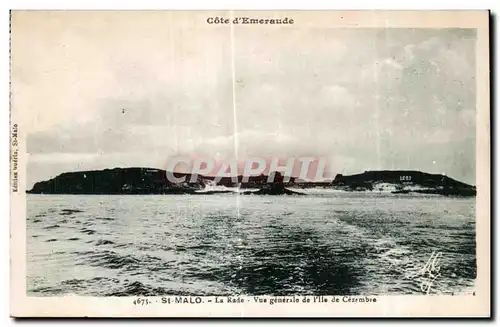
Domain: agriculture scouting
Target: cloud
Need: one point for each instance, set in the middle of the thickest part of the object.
(393, 64)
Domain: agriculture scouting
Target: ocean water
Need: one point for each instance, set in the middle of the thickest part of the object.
(320, 244)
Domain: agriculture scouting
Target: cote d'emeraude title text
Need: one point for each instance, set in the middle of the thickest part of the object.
(249, 21)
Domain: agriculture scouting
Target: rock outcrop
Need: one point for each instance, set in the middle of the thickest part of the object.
(405, 181)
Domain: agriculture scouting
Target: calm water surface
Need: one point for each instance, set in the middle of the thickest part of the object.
(337, 243)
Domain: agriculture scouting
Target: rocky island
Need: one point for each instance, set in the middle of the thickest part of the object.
(404, 181)
(276, 187)
(154, 181)
(150, 181)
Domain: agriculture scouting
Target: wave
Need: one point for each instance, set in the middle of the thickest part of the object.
(137, 288)
(52, 226)
(212, 187)
(69, 211)
(87, 231)
(104, 242)
(105, 218)
(111, 260)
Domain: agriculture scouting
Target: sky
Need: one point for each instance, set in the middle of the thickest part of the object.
(107, 90)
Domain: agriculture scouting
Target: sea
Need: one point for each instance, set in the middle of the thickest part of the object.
(324, 243)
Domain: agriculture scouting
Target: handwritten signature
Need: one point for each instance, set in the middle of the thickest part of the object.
(428, 273)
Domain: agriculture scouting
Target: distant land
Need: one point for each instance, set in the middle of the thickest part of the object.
(153, 181)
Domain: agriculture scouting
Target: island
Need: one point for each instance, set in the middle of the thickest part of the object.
(140, 180)
(404, 182)
(276, 187)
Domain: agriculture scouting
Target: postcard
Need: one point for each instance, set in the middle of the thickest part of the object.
(250, 163)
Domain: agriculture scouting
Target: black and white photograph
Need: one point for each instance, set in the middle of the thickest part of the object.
(241, 154)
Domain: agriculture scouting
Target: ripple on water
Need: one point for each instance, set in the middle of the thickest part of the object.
(104, 242)
(87, 231)
(138, 289)
(52, 226)
(65, 212)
